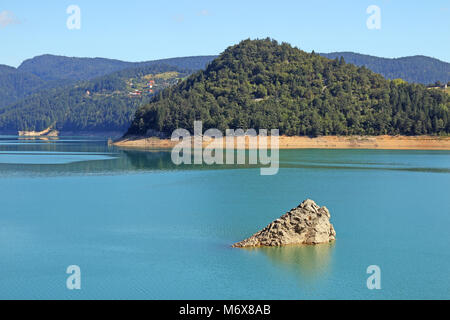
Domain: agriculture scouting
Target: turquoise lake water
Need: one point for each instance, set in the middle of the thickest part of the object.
(141, 228)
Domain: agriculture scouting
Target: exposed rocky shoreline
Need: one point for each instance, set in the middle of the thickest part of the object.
(49, 132)
(308, 224)
(325, 142)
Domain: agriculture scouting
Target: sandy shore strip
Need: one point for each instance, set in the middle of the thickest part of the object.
(326, 142)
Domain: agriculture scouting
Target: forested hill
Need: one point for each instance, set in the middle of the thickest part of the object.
(261, 84)
(102, 105)
(418, 69)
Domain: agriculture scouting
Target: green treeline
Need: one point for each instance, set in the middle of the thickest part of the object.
(261, 84)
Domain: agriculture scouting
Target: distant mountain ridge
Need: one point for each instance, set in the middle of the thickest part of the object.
(417, 69)
(50, 71)
(51, 67)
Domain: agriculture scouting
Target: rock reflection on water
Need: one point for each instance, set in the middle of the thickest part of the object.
(311, 263)
(44, 138)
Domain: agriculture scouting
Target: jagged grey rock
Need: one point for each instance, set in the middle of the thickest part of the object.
(307, 224)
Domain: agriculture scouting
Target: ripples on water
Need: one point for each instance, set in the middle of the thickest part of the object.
(142, 228)
(95, 156)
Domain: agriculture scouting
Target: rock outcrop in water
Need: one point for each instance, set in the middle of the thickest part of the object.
(307, 224)
(49, 132)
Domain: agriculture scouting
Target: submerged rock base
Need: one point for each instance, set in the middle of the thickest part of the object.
(308, 224)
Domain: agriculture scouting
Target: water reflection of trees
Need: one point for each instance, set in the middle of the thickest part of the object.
(121, 160)
(162, 160)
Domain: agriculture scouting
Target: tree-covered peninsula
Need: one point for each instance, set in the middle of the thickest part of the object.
(262, 84)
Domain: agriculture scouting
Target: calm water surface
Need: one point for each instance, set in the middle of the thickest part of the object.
(141, 228)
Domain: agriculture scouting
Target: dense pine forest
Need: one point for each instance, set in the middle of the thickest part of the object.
(262, 84)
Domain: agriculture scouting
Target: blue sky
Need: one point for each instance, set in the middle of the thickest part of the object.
(138, 30)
